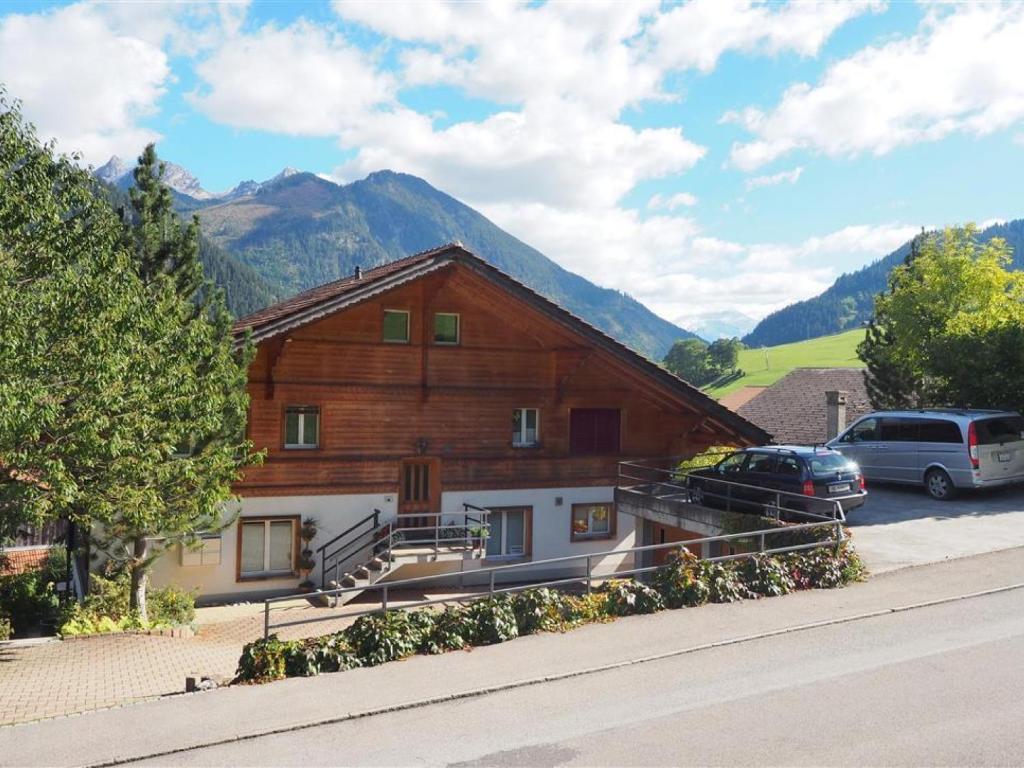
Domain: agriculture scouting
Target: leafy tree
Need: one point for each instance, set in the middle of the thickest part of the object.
(951, 325)
(891, 383)
(106, 374)
(688, 359)
(724, 355)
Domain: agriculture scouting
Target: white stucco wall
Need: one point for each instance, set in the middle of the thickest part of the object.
(214, 583)
(334, 514)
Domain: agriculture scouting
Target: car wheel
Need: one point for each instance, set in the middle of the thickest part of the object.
(939, 485)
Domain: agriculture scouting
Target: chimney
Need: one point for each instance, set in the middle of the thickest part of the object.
(359, 272)
(835, 413)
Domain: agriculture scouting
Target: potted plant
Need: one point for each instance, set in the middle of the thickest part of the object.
(307, 532)
(306, 564)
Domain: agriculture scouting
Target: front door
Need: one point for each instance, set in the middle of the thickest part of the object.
(420, 491)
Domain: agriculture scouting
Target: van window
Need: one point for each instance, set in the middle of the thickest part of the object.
(864, 430)
(1002, 429)
(899, 430)
(940, 431)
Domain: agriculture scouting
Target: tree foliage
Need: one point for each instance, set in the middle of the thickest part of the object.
(699, 363)
(949, 329)
(106, 375)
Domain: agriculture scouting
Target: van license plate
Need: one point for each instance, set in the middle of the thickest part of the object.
(1004, 456)
(839, 488)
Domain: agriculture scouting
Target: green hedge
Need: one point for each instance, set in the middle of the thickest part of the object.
(106, 608)
(684, 580)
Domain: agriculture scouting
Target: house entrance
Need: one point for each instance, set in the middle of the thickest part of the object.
(420, 491)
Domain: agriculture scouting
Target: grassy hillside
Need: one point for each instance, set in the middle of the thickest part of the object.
(836, 351)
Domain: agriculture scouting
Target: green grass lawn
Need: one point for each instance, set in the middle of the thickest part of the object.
(836, 351)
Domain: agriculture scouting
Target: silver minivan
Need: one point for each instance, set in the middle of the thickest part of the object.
(946, 450)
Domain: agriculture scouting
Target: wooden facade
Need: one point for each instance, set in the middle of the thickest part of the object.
(387, 409)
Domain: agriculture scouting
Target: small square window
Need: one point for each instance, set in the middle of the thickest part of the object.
(266, 547)
(396, 326)
(593, 521)
(302, 426)
(525, 428)
(446, 328)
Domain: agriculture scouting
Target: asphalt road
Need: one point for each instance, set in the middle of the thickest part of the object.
(900, 526)
(938, 685)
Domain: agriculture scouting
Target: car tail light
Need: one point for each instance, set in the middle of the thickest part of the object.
(808, 488)
(863, 483)
(972, 444)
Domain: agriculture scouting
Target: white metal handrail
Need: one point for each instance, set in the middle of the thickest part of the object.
(836, 539)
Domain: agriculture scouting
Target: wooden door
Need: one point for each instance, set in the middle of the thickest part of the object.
(419, 493)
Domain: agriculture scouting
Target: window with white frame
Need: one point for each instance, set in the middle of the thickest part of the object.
(509, 532)
(593, 521)
(446, 328)
(395, 327)
(525, 427)
(266, 546)
(302, 426)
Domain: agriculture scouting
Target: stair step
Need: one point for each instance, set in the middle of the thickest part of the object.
(361, 572)
(376, 564)
(348, 580)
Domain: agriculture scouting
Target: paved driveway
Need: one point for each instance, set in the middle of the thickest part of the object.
(901, 526)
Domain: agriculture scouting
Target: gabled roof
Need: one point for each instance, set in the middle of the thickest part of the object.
(793, 408)
(316, 303)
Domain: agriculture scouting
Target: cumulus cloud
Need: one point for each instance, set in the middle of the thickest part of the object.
(789, 177)
(696, 34)
(959, 73)
(82, 80)
(671, 202)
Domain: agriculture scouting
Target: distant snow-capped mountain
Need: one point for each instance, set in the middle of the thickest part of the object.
(118, 173)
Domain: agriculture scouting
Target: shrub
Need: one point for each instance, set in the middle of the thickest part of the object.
(385, 636)
(823, 568)
(723, 582)
(624, 597)
(766, 575)
(171, 606)
(493, 620)
(5, 628)
(333, 653)
(585, 609)
(29, 600)
(679, 581)
(262, 660)
(539, 610)
(453, 630)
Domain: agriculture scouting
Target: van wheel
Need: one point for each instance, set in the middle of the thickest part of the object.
(939, 485)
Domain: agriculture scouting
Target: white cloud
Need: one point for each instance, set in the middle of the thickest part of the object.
(790, 177)
(959, 73)
(82, 80)
(696, 34)
(300, 80)
(671, 202)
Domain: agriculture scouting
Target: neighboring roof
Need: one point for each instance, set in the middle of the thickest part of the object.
(733, 400)
(22, 560)
(793, 409)
(316, 303)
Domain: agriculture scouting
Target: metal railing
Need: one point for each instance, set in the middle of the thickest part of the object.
(586, 561)
(647, 478)
(370, 538)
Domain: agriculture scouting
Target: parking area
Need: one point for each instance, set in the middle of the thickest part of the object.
(901, 526)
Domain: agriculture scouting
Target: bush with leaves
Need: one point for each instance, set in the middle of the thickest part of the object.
(5, 628)
(625, 597)
(765, 575)
(679, 581)
(263, 660)
(723, 582)
(539, 610)
(823, 568)
(494, 620)
(585, 609)
(453, 630)
(107, 607)
(377, 638)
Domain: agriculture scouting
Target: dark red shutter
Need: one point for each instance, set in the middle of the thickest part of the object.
(594, 430)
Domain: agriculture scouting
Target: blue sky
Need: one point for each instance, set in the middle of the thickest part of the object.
(717, 160)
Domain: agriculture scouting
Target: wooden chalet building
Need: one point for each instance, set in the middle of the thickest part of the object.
(432, 382)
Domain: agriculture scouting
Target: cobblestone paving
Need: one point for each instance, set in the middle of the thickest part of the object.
(68, 677)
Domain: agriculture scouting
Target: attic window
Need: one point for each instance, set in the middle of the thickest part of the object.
(396, 326)
(446, 328)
